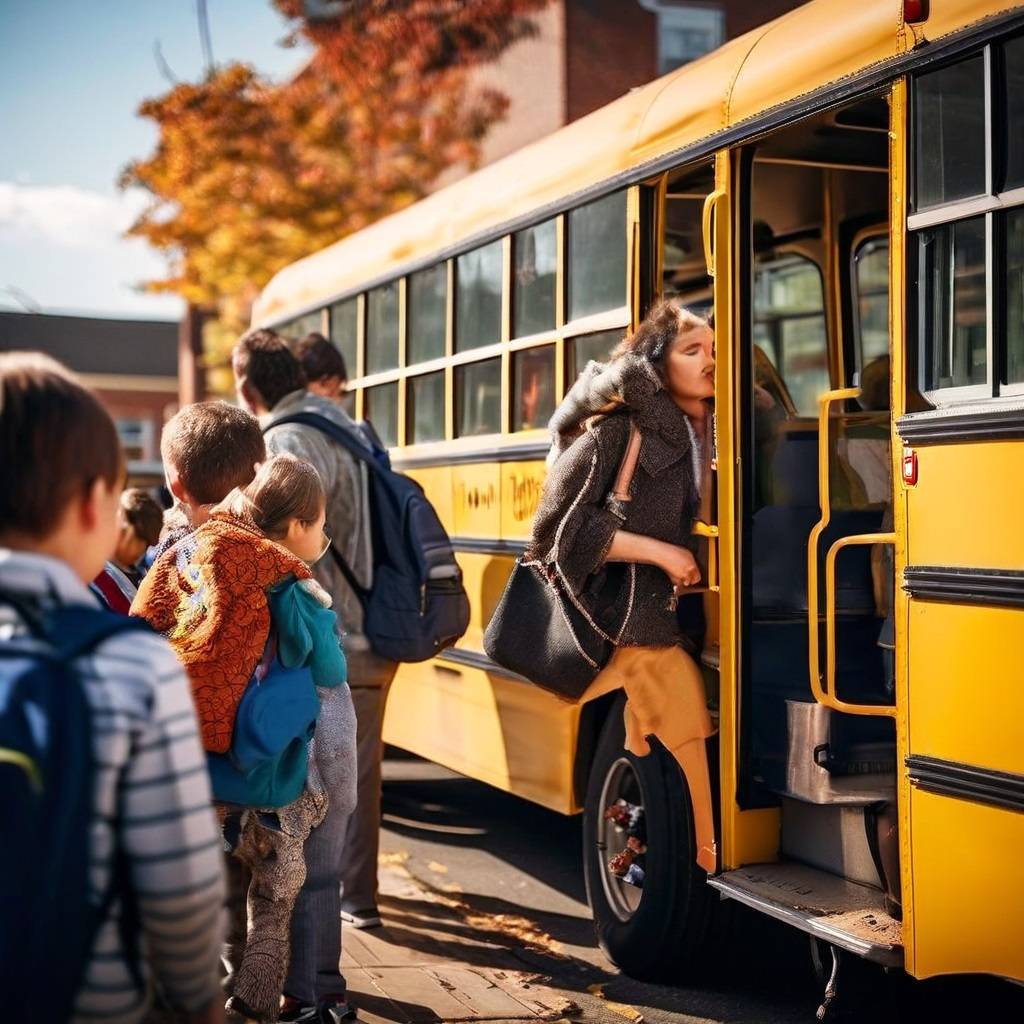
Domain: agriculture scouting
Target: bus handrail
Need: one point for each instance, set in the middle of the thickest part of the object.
(710, 201)
(701, 529)
(823, 695)
(829, 690)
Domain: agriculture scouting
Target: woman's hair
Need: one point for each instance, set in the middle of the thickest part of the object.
(653, 339)
(284, 488)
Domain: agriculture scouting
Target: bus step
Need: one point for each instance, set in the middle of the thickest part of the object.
(845, 914)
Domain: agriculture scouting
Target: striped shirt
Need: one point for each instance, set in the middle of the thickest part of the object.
(152, 800)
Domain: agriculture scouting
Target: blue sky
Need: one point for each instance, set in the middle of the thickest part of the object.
(72, 73)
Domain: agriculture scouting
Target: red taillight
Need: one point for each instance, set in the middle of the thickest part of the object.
(909, 467)
(915, 10)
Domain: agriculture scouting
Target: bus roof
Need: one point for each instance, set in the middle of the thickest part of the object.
(809, 48)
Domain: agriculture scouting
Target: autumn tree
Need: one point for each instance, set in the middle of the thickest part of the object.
(249, 175)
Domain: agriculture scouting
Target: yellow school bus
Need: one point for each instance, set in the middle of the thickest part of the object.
(844, 187)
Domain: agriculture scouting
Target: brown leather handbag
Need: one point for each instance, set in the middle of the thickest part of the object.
(538, 630)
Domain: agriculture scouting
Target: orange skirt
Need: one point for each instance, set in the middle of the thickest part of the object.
(666, 699)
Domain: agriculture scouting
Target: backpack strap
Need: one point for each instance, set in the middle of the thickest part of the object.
(358, 451)
(333, 430)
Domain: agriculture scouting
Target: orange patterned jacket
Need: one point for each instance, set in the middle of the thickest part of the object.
(208, 595)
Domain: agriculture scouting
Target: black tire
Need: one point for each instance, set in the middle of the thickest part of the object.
(663, 936)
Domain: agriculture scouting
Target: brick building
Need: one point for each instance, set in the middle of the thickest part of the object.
(587, 53)
(131, 364)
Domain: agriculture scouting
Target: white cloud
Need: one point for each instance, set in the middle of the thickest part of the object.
(64, 246)
(67, 215)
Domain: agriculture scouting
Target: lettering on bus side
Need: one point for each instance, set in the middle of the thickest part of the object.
(525, 494)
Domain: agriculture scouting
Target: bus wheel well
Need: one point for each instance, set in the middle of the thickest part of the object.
(592, 719)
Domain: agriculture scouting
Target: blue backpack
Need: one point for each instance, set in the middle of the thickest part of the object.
(417, 604)
(48, 922)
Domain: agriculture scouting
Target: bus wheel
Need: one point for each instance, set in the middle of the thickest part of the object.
(650, 900)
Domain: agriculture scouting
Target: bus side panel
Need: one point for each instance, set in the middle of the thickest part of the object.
(507, 733)
(965, 721)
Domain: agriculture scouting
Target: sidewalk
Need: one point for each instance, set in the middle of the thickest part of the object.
(436, 960)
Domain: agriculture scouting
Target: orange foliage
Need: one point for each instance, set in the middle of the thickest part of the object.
(249, 175)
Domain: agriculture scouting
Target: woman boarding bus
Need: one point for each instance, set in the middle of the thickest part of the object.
(853, 215)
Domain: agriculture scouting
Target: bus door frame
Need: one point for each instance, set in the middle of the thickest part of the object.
(752, 835)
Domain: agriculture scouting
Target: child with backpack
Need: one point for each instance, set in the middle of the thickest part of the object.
(238, 602)
(111, 853)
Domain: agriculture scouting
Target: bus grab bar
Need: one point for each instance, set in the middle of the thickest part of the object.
(711, 533)
(826, 695)
(710, 202)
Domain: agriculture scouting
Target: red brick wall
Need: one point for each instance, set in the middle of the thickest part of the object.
(743, 15)
(612, 46)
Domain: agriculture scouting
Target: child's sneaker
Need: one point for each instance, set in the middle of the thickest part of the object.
(332, 1010)
(369, 918)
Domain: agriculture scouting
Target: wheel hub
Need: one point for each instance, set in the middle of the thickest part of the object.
(622, 839)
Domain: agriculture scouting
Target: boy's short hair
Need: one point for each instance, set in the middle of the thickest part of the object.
(56, 441)
(213, 447)
(264, 361)
(319, 358)
(143, 513)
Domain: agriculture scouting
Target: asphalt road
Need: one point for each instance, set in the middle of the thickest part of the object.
(514, 869)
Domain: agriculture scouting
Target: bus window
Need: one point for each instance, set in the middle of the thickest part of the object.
(344, 317)
(535, 260)
(382, 329)
(591, 346)
(380, 407)
(683, 268)
(789, 326)
(303, 325)
(478, 297)
(597, 256)
(1015, 297)
(954, 322)
(478, 398)
(1012, 132)
(425, 408)
(949, 136)
(871, 300)
(533, 387)
(428, 298)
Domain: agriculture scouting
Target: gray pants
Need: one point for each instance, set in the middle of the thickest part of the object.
(370, 677)
(314, 972)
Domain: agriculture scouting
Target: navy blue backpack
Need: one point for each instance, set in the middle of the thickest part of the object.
(417, 604)
(47, 921)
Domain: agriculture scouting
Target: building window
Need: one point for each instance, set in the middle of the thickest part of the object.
(686, 33)
(136, 437)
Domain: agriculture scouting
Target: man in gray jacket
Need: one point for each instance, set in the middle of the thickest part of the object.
(270, 382)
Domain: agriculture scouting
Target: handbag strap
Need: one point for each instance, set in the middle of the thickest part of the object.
(627, 468)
